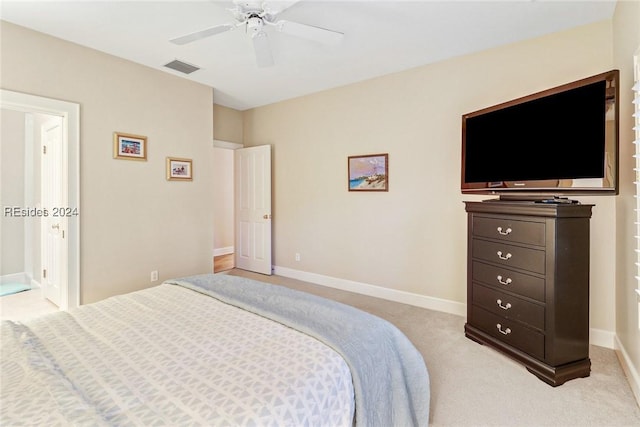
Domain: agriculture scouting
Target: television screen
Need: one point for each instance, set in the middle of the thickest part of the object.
(557, 141)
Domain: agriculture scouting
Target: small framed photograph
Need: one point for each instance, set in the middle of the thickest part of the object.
(129, 147)
(369, 172)
(179, 169)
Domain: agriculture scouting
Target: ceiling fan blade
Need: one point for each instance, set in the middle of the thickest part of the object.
(202, 34)
(274, 7)
(262, 49)
(310, 32)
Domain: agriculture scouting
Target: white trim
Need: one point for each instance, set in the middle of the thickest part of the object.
(602, 338)
(404, 297)
(28, 196)
(70, 113)
(629, 370)
(21, 277)
(226, 144)
(223, 251)
(636, 125)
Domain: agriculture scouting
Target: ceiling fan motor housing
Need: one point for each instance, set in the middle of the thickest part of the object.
(254, 23)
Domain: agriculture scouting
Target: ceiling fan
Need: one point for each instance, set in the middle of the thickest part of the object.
(255, 16)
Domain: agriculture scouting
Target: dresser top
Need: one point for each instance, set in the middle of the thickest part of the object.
(530, 208)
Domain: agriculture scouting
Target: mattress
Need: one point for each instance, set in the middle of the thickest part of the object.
(168, 355)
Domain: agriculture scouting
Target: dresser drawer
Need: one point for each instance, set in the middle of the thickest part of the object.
(509, 255)
(509, 306)
(510, 230)
(519, 283)
(509, 332)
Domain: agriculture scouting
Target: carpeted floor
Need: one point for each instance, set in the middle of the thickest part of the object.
(25, 305)
(473, 385)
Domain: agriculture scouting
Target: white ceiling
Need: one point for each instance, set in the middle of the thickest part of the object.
(381, 37)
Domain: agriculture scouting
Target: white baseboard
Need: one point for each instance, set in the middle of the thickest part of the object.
(597, 337)
(602, 338)
(16, 277)
(404, 297)
(629, 370)
(223, 251)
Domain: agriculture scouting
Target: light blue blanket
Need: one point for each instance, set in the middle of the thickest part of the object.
(390, 378)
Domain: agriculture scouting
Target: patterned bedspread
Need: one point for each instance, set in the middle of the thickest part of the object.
(168, 356)
(390, 379)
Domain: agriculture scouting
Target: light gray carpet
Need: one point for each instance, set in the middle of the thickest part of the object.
(473, 385)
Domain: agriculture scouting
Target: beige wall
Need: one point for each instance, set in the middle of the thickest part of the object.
(132, 220)
(627, 43)
(413, 238)
(227, 124)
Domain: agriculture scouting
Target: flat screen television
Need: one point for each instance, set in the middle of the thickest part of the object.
(558, 142)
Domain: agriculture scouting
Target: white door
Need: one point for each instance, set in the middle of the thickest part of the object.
(252, 170)
(54, 203)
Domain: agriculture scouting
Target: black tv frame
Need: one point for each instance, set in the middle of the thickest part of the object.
(507, 189)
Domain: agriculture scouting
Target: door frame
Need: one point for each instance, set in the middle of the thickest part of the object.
(236, 146)
(70, 113)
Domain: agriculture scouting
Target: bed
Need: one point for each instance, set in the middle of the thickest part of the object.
(211, 349)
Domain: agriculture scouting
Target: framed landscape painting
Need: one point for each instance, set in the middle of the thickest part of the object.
(369, 172)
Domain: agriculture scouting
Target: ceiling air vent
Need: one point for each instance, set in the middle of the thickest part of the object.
(182, 67)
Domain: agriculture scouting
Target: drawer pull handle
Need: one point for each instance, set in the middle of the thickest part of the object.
(505, 232)
(504, 307)
(504, 282)
(505, 332)
(505, 257)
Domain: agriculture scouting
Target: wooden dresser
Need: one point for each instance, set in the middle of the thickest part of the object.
(528, 284)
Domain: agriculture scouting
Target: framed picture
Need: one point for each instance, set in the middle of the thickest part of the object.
(369, 172)
(179, 169)
(129, 147)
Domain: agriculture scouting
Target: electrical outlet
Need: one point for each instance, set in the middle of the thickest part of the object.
(154, 276)
(297, 256)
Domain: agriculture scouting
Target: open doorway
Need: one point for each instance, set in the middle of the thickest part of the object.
(223, 153)
(22, 193)
(27, 121)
